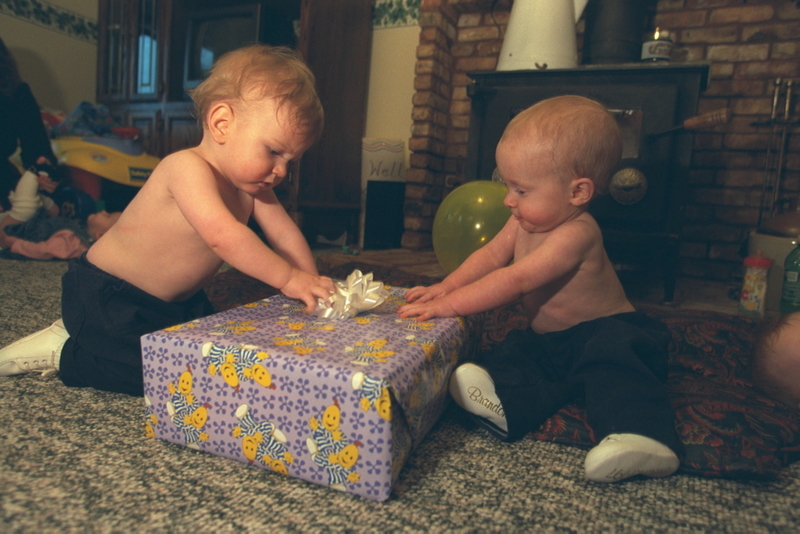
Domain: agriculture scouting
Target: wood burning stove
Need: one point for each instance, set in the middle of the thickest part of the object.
(641, 217)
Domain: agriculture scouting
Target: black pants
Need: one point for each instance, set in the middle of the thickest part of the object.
(105, 318)
(618, 363)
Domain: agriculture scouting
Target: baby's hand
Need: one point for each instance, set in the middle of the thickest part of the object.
(423, 311)
(46, 183)
(422, 294)
(308, 287)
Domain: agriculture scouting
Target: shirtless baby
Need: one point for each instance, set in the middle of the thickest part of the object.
(259, 111)
(585, 337)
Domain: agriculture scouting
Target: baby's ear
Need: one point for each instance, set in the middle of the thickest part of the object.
(219, 121)
(582, 191)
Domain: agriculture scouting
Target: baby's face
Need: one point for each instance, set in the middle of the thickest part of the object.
(537, 197)
(261, 142)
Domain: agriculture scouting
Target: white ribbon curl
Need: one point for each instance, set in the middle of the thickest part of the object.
(356, 294)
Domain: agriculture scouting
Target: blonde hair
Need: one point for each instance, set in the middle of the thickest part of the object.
(584, 137)
(261, 71)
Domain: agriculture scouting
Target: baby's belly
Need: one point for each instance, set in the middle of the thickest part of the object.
(552, 317)
(167, 277)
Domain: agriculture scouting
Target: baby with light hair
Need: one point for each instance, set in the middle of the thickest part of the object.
(775, 364)
(584, 336)
(260, 112)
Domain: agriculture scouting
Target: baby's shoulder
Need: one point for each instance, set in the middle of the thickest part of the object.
(181, 165)
(184, 157)
(583, 227)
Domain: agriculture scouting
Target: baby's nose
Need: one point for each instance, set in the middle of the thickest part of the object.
(279, 170)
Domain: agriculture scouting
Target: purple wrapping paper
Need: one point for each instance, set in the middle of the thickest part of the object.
(337, 403)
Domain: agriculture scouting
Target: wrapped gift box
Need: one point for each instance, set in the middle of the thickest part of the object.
(339, 403)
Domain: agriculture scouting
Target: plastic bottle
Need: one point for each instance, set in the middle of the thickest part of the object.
(754, 287)
(790, 295)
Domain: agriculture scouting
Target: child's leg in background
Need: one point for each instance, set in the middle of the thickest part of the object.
(25, 199)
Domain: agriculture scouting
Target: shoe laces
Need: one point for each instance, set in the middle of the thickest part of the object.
(45, 367)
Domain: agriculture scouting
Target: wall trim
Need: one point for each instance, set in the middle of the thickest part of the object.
(395, 13)
(51, 17)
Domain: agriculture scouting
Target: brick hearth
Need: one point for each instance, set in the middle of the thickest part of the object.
(747, 43)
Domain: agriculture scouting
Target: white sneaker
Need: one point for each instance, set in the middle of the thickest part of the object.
(473, 389)
(36, 353)
(620, 456)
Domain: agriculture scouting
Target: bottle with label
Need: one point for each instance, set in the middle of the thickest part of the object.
(790, 295)
(754, 288)
(657, 46)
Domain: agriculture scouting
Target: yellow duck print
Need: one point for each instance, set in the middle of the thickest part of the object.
(330, 449)
(186, 413)
(300, 345)
(370, 352)
(374, 392)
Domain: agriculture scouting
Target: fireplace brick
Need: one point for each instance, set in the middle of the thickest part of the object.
(478, 34)
(681, 19)
(742, 14)
(748, 45)
(743, 52)
(722, 34)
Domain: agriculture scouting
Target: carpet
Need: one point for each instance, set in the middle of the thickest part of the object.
(77, 460)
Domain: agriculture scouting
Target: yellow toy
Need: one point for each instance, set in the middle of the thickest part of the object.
(92, 159)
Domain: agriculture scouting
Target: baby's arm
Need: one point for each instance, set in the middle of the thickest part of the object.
(494, 255)
(288, 242)
(197, 194)
(561, 252)
(282, 233)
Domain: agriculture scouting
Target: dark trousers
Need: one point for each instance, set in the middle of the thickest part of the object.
(105, 318)
(618, 363)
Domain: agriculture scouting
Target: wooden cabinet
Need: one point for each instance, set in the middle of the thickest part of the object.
(131, 55)
(337, 49)
(141, 60)
(138, 50)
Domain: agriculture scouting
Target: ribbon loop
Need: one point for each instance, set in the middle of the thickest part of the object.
(356, 294)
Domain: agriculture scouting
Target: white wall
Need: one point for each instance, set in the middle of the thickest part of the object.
(61, 69)
(391, 83)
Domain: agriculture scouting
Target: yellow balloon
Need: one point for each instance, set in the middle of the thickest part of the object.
(468, 218)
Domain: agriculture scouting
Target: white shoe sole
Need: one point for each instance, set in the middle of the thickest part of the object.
(473, 389)
(621, 456)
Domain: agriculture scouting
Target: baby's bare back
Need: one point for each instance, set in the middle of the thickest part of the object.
(153, 247)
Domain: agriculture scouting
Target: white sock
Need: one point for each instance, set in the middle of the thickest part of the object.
(25, 199)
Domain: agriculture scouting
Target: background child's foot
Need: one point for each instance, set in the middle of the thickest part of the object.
(473, 389)
(36, 353)
(620, 456)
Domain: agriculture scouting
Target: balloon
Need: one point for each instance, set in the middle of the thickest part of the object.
(468, 218)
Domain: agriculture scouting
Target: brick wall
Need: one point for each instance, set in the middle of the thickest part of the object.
(748, 44)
